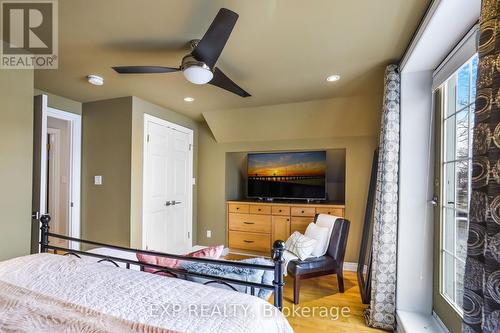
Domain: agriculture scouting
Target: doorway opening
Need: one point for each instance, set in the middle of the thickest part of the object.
(57, 170)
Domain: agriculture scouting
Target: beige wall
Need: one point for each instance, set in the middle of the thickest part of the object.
(16, 159)
(212, 186)
(141, 107)
(106, 142)
(113, 139)
(326, 118)
(59, 102)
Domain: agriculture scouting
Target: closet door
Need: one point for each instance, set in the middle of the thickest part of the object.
(167, 189)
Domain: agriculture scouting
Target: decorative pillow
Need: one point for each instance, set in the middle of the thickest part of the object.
(320, 234)
(157, 260)
(212, 252)
(300, 245)
(327, 221)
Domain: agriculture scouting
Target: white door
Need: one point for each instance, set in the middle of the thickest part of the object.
(167, 187)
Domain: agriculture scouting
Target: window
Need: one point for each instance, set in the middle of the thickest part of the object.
(457, 122)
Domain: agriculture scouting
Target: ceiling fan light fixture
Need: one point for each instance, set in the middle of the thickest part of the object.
(198, 74)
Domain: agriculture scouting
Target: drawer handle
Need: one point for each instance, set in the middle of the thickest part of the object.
(249, 222)
(303, 212)
(329, 213)
(260, 209)
(237, 208)
(280, 210)
(247, 241)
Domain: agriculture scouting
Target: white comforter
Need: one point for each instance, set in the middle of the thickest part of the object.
(161, 301)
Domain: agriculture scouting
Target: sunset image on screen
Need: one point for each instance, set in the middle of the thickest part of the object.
(283, 175)
(303, 164)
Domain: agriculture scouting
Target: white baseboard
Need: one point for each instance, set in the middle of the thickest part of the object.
(350, 266)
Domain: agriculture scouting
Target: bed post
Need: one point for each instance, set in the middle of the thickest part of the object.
(277, 255)
(44, 234)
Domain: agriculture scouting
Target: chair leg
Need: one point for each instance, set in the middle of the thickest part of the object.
(340, 278)
(296, 289)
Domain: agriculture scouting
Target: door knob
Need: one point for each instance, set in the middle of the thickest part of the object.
(172, 203)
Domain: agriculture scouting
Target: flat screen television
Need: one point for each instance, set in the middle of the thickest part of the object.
(290, 175)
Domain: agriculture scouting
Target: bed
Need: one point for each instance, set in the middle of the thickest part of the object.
(47, 292)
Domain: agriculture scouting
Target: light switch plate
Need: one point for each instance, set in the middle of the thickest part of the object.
(209, 233)
(97, 180)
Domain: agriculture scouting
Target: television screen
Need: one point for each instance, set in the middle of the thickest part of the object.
(294, 175)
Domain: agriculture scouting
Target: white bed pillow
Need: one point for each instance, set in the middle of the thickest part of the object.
(300, 245)
(321, 235)
(326, 221)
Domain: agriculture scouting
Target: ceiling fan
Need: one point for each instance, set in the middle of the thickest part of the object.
(199, 66)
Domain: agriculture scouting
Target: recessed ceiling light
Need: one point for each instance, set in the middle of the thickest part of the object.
(188, 99)
(333, 78)
(96, 80)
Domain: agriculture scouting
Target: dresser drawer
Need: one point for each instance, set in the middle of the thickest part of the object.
(238, 208)
(250, 222)
(303, 211)
(250, 241)
(330, 211)
(260, 209)
(281, 228)
(281, 210)
(300, 224)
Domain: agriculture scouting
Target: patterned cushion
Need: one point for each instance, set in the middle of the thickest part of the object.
(300, 245)
(237, 273)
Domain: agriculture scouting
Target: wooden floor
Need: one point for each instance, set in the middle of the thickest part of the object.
(321, 295)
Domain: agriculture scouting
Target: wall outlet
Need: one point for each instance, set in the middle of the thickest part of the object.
(97, 180)
(209, 233)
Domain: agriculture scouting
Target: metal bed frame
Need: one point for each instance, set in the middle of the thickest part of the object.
(276, 255)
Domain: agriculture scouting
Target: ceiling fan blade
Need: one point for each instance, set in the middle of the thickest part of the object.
(144, 69)
(211, 45)
(222, 81)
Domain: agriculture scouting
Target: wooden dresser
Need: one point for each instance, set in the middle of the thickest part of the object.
(253, 226)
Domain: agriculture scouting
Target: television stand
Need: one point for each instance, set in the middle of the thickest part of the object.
(255, 225)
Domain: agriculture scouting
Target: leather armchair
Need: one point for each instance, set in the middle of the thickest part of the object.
(331, 263)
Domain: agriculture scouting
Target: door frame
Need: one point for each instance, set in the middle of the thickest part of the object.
(145, 163)
(75, 121)
(54, 169)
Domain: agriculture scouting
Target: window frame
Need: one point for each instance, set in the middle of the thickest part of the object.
(443, 162)
(442, 306)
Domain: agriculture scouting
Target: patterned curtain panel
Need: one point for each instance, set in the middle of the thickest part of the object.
(381, 313)
(482, 270)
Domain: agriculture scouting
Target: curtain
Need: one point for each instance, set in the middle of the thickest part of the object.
(381, 313)
(481, 302)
